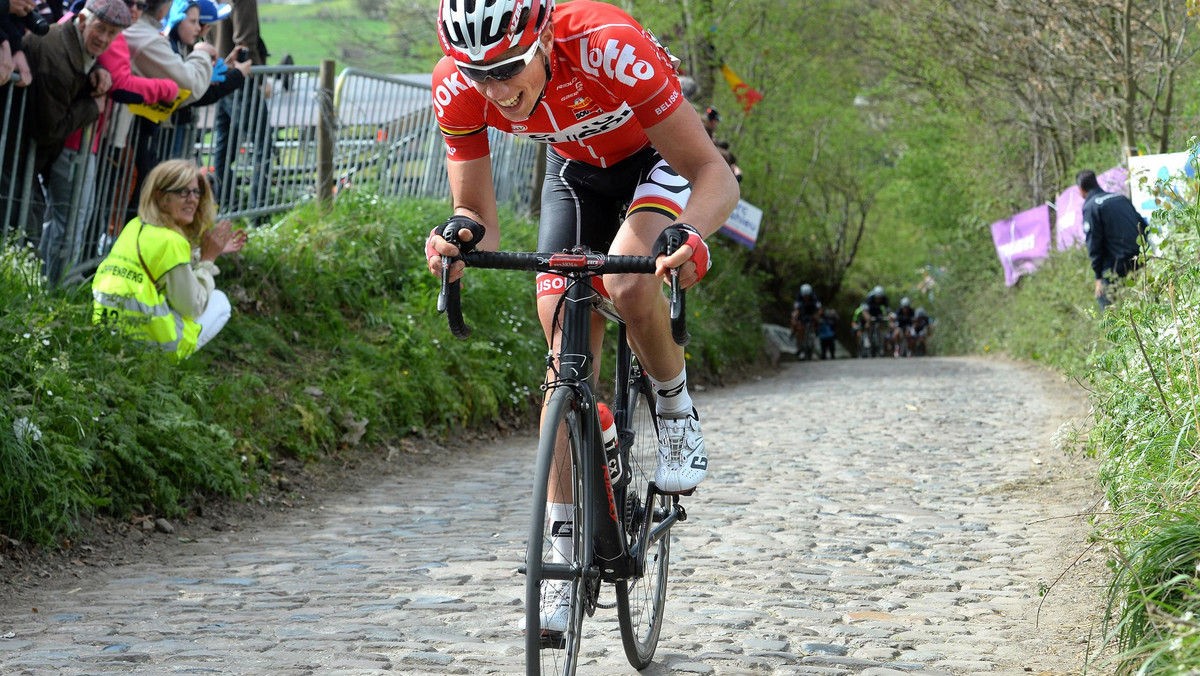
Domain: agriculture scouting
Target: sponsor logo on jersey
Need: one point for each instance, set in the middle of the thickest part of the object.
(574, 84)
(445, 92)
(579, 102)
(663, 108)
(617, 60)
(519, 127)
(581, 114)
(586, 129)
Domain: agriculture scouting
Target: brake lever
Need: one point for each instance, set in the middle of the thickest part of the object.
(441, 300)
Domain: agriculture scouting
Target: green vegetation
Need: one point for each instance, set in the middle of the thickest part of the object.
(335, 348)
(357, 34)
(1142, 363)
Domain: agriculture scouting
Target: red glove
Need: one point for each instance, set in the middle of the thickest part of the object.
(675, 236)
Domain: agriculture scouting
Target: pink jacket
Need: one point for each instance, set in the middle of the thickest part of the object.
(115, 60)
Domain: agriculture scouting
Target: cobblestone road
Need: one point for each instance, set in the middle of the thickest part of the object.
(862, 517)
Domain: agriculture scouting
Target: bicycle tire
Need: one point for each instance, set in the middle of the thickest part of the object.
(642, 599)
(550, 654)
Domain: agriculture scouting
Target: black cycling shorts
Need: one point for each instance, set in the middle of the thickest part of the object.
(585, 204)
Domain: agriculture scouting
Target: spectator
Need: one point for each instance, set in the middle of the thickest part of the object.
(827, 333)
(1114, 230)
(148, 284)
(244, 118)
(126, 88)
(188, 22)
(12, 58)
(67, 93)
(711, 119)
(151, 55)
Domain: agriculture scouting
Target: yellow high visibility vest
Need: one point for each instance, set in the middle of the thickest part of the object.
(125, 289)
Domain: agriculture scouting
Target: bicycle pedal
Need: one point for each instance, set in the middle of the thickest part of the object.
(553, 640)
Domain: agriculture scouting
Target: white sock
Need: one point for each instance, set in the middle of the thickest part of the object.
(562, 530)
(673, 397)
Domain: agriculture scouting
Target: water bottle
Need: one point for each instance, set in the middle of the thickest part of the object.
(617, 475)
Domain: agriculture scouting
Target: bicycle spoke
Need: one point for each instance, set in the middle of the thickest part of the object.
(641, 599)
(555, 653)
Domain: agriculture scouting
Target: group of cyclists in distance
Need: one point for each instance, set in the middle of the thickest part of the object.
(878, 330)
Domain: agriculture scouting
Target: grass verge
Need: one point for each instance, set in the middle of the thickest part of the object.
(335, 349)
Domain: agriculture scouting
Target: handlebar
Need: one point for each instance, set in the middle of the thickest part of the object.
(591, 263)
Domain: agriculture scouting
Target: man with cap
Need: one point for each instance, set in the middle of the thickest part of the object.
(710, 119)
(126, 88)
(68, 89)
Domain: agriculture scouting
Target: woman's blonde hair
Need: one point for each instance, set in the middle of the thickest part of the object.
(176, 175)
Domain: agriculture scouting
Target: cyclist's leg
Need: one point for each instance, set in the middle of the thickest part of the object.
(639, 298)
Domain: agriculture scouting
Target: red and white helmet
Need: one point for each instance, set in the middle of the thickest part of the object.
(473, 31)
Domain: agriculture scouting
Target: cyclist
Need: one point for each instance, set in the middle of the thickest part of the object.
(920, 331)
(628, 165)
(861, 319)
(805, 309)
(903, 327)
(877, 303)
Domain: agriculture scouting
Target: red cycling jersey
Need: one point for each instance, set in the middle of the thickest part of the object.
(610, 80)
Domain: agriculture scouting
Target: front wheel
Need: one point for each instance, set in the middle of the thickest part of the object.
(556, 653)
(642, 597)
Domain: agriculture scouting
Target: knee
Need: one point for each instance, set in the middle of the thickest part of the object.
(634, 295)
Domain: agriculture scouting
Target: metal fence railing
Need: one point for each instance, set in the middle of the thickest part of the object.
(259, 147)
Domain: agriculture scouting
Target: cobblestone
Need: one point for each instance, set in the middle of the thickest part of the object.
(873, 517)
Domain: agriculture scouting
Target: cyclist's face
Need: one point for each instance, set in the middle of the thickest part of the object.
(516, 97)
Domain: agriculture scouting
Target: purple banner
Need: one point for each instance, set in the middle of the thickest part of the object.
(1068, 222)
(1068, 208)
(1022, 241)
(1115, 180)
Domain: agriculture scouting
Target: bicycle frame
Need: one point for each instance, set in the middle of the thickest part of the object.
(575, 364)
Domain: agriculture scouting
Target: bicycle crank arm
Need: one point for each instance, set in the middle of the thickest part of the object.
(562, 571)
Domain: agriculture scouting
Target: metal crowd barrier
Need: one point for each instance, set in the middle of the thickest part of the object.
(259, 148)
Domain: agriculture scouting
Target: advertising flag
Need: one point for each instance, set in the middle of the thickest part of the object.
(1022, 241)
(743, 224)
(1068, 219)
(1068, 208)
(745, 94)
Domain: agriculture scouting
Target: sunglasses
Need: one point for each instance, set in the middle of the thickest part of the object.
(140, 6)
(500, 71)
(186, 192)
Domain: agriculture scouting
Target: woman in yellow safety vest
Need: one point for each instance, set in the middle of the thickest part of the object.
(148, 285)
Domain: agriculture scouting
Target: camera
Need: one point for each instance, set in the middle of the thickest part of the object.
(36, 23)
(243, 54)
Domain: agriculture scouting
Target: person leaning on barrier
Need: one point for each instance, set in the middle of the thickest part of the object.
(188, 22)
(126, 88)
(148, 285)
(67, 93)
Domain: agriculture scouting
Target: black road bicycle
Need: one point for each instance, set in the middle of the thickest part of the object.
(621, 528)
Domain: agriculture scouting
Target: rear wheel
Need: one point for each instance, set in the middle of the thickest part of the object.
(642, 597)
(559, 450)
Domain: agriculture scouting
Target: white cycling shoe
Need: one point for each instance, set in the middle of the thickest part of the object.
(682, 462)
(555, 608)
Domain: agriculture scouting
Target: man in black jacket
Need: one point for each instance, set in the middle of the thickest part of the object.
(1114, 232)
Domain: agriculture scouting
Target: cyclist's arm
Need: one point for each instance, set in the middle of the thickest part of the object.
(474, 197)
(683, 143)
